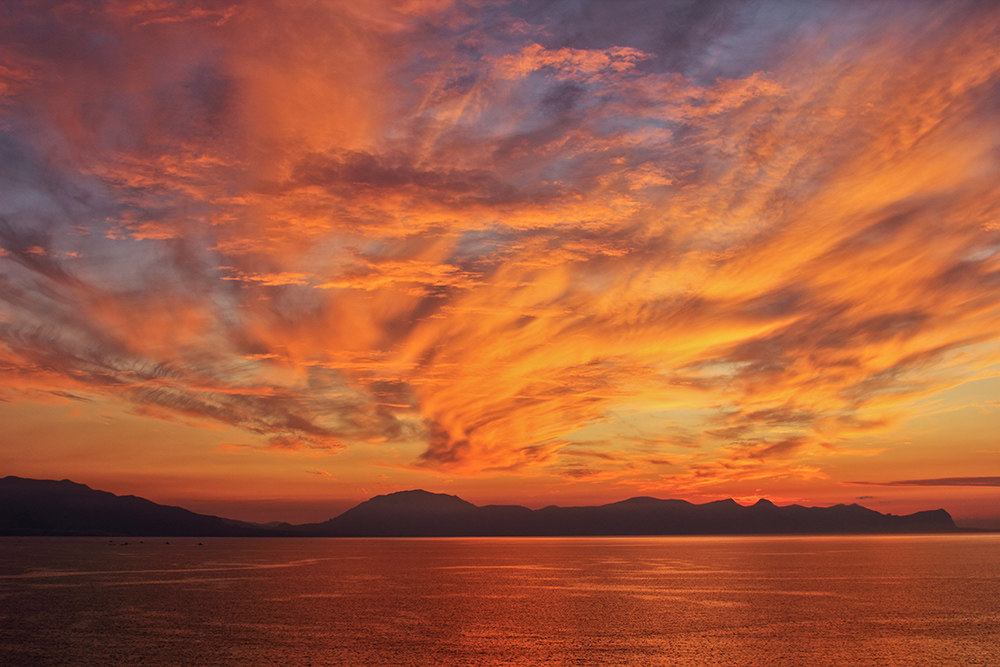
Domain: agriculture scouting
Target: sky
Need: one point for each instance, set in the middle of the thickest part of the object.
(267, 259)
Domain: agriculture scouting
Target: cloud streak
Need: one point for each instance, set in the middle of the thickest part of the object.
(944, 481)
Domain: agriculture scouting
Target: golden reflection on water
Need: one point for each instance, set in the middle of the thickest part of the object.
(914, 600)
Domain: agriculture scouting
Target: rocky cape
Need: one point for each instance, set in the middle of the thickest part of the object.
(49, 507)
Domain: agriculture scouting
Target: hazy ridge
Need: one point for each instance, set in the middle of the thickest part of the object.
(49, 507)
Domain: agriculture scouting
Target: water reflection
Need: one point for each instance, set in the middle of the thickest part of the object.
(913, 600)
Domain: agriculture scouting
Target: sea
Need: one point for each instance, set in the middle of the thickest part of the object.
(771, 601)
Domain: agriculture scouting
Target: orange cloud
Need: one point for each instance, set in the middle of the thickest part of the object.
(496, 245)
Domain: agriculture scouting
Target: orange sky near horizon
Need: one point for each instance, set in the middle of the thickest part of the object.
(269, 259)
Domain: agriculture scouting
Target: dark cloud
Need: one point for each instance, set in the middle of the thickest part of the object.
(943, 481)
(33, 250)
(680, 33)
(368, 173)
(782, 448)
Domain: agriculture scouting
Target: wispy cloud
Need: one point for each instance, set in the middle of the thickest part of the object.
(943, 481)
(486, 231)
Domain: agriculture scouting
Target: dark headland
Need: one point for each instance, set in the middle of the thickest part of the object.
(47, 507)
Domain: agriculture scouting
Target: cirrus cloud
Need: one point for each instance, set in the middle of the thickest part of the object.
(496, 233)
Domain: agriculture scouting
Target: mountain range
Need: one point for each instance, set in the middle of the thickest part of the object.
(49, 507)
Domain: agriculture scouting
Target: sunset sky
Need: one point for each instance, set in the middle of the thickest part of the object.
(267, 259)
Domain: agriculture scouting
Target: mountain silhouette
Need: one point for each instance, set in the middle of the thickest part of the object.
(404, 514)
(48, 507)
(420, 513)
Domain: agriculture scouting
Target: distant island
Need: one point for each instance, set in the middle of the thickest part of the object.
(32, 507)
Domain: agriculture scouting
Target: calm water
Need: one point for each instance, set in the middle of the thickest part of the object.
(810, 601)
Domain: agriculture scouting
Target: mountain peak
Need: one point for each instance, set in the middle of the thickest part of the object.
(47, 507)
(417, 500)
